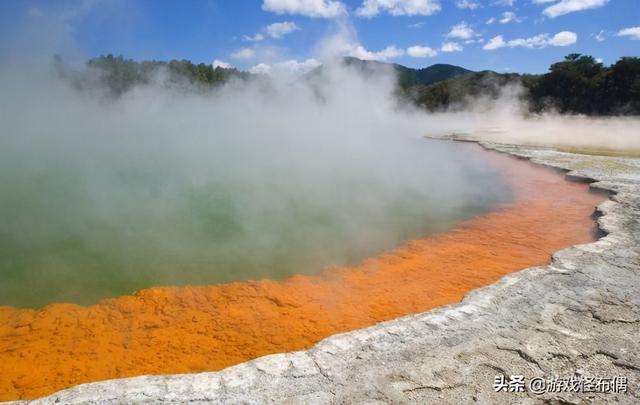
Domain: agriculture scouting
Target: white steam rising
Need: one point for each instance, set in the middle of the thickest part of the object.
(506, 120)
(166, 185)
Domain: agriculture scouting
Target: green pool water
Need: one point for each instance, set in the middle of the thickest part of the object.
(82, 230)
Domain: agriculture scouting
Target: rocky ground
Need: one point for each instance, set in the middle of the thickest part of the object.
(578, 317)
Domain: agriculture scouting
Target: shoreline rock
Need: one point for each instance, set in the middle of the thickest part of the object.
(580, 315)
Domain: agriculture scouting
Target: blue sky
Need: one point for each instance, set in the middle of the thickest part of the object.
(502, 35)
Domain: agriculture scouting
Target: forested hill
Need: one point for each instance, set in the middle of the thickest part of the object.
(408, 77)
(120, 74)
(577, 85)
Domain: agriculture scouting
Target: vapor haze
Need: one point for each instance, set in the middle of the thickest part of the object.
(167, 185)
(506, 119)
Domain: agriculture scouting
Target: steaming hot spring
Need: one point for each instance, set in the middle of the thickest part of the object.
(174, 232)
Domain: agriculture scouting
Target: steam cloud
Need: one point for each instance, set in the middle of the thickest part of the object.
(505, 119)
(167, 185)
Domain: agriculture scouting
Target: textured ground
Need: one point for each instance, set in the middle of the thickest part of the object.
(579, 315)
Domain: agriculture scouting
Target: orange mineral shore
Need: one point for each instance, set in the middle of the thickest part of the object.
(191, 329)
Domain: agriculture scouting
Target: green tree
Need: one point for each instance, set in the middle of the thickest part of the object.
(624, 86)
(572, 86)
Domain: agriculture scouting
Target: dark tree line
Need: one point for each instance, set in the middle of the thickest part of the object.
(580, 84)
(119, 74)
(577, 85)
(461, 91)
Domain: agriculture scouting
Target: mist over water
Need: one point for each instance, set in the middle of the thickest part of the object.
(169, 186)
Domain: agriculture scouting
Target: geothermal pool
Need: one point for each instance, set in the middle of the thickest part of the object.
(81, 233)
(208, 327)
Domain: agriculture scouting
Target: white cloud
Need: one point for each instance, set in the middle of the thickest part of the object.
(286, 68)
(632, 33)
(570, 6)
(389, 52)
(535, 42)
(509, 16)
(261, 68)
(255, 38)
(494, 43)
(345, 43)
(280, 29)
(371, 8)
(467, 4)
(220, 64)
(462, 31)
(245, 53)
(451, 47)
(491, 20)
(599, 60)
(508, 3)
(418, 51)
(309, 8)
(275, 30)
(300, 67)
(416, 25)
(599, 36)
(563, 38)
(543, 1)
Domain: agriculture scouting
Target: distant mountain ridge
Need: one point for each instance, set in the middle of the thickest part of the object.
(408, 77)
(429, 75)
